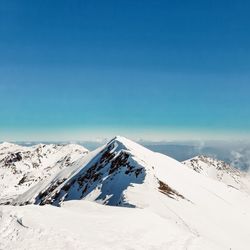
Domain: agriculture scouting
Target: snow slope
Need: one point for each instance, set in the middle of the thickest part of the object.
(220, 171)
(21, 167)
(85, 225)
(114, 175)
(174, 207)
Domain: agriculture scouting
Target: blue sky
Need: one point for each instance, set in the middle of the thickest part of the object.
(147, 69)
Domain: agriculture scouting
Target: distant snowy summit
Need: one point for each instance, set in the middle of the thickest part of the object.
(21, 167)
(220, 171)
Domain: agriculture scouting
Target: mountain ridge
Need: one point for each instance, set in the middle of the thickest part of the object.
(220, 171)
(115, 174)
(132, 179)
(23, 166)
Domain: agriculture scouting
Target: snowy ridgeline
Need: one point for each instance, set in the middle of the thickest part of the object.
(21, 167)
(155, 202)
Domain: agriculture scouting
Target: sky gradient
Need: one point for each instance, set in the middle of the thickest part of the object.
(147, 69)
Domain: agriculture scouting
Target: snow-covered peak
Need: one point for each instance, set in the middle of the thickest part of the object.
(201, 163)
(218, 170)
(124, 173)
(6, 146)
(21, 166)
(127, 144)
(185, 206)
(110, 175)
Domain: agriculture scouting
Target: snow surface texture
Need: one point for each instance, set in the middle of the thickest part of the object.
(86, 225)
(220, 171)
(157, 203)
(21, 167)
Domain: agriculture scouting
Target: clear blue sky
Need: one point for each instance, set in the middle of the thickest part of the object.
(78, 69)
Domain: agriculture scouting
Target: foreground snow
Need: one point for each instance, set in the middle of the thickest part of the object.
(86, 225)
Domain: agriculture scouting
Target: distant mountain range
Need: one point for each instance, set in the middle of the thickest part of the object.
(236, 153)
(23, 166)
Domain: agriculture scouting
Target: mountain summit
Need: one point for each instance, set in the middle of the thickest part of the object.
(125, 174)
(220, 171)
(112, 175)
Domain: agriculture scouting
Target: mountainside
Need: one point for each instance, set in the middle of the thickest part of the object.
(106, 175)
(193, 210)
(21, 167)
(123, 173)
(220, 171)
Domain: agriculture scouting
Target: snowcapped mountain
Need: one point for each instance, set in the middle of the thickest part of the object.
(123, 173)
(220, 171)
(174, 207)
(109, 175)
(21, 167)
